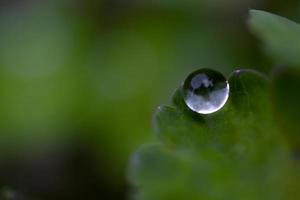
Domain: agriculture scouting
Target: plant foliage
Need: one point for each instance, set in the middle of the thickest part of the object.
(247, 150)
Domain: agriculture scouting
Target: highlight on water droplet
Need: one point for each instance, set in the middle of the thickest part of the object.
(205, 91)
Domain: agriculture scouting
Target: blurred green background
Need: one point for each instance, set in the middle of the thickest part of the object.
(79, 81)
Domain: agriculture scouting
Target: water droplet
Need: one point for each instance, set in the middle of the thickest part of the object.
(205, 91)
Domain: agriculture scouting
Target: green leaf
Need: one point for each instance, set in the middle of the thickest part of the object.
(286, 103)
(235, 153)
(244, 151)
(279, 35)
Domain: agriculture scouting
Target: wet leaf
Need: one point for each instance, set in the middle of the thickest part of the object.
(235, 153)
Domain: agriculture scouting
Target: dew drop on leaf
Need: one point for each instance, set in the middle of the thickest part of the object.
(205, 91)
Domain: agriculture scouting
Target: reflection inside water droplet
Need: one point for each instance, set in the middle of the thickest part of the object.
(205, 91)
